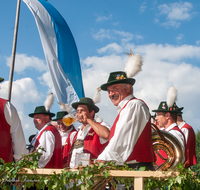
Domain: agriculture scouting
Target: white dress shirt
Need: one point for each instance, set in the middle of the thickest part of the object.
(16, 131)
(179, 137)
(184, 130)
(132, 120)
(65, 135)
(47, 141)
(81, 135)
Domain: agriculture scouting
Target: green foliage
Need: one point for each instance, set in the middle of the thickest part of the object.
(196, 168)
(86, 177)
(186, 180)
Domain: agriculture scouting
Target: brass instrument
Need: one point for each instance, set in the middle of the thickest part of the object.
(161, 140)
(165, 141)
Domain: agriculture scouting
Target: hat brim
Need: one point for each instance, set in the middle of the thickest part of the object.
(76, 104)
(173, 111)
(1, 79)
(130, 81)
(50, 114)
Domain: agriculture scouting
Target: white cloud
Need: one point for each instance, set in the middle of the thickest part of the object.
(163, 67)
(156, 20)
(171, 23)
(114, 47)
(116, 34)
(24, 95)
(143, 7)
(116, 23)
(103, 18)
(101, 34)
(23, 91)
(198, 42)
(176, 12)
(22, 62)
(45, 80)
(179, 38)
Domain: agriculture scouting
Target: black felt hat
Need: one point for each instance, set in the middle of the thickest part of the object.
(41, 110)
(60, 115)
(163, 107)
(86, 101)
(117, 78)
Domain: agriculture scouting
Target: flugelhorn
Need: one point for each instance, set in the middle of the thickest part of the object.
(164, 141)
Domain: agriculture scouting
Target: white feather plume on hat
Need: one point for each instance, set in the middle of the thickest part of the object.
(171, 96)
(134, 64)
(97, 96)
(49, 101)
(98, 119)
(65, 107)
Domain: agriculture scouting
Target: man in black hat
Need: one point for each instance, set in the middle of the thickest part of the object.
(48, 138)
(65, 132)
(13, 142)
(190, 139)
(167, 118)
(130, 136)
(92, 136)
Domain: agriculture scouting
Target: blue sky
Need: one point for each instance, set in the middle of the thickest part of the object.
(165, 33)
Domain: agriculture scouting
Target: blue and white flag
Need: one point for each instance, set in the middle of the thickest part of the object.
(60, 51)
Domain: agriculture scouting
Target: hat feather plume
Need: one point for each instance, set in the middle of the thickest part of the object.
(97, 96)
(98, 119)
(171, 96)
(49, 101)
(65, 107)
(133, 65)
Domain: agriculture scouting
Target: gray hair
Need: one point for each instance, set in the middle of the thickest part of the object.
(124, 86)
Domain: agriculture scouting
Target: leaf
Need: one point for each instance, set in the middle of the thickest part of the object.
(142, 168)
(106, 174)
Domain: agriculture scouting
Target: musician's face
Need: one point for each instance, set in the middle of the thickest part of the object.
(40, 120)
(83, 114)
(118, 92)
(161, 119)
(61, 126)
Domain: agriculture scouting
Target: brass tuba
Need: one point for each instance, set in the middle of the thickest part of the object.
(165, 141)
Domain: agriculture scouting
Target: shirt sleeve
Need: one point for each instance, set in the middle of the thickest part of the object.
(16, 131)
(186, 133)
(132, 120)
(102, 140)
(180, 138)
(47, 141)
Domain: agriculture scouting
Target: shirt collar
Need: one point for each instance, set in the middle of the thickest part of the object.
(181, 125)
(123, 102)
(87, 126)
(171, 126)
(66, 133)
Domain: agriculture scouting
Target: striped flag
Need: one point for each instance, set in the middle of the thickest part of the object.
(60, 51)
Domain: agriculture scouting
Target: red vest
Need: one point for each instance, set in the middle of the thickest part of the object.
(6, 141)
(190, 146)
(92, 145)
(56, 159)
(67, 147)
(143, 150)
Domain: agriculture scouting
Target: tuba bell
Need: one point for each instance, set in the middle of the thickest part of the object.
(167, 149)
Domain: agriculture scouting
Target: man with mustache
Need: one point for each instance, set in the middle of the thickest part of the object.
(130, 136)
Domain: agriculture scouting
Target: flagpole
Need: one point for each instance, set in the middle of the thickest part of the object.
(13, 50)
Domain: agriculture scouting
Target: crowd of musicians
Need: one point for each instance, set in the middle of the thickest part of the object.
(128, 140)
